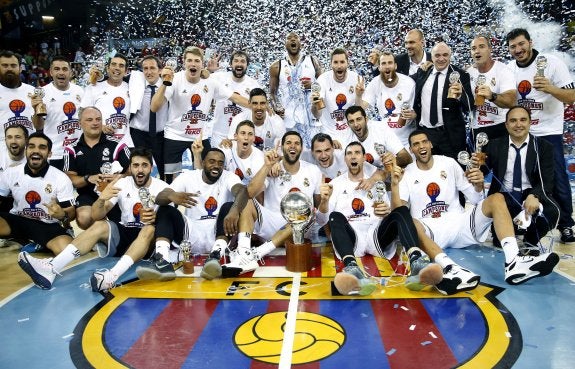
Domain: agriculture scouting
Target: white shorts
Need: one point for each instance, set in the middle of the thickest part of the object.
(459, 230)
(201, 234)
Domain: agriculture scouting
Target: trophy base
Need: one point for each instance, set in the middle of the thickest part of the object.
(298, 256)
(188, 267)
(167, 83)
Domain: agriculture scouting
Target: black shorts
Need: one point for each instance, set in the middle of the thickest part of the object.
(87, 199)
(32, 229)
(173, 151)
(123, 237)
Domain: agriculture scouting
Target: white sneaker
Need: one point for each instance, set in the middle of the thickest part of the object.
(242, 261)
(103, 280)
(40, 270)
(524, 267)
(457, 279)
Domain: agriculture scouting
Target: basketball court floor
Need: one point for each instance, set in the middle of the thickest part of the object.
(272, 318)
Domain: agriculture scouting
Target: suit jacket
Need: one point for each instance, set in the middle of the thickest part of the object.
(454, 110)
(497, 151)
(402, 61)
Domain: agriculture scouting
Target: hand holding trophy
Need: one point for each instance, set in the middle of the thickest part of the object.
(404, 109)
(541, 64)
(453, 82)
(480, 99)
(168, 71)
(97, 71)
(40, 108)
(465, 159)
(316, 97)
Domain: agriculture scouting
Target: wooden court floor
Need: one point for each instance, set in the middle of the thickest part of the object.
(272, 318)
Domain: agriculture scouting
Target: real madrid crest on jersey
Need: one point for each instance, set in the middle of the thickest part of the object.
(399, 96)
(351, 89)
(443, 174)
(369, 195)
(493, 81)
(48, 188)
(206, 88)
(306, 182)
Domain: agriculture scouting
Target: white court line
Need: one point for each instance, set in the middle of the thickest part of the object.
(287, 347)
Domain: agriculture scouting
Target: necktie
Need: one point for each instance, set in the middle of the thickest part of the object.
(516, 192)
(433, 106)
(152, 129)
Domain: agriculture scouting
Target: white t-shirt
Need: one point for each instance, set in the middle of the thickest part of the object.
(337, 96)
(5, 160)
(61, 124)
(294, 99)
(31, 193)
(210, 196)
(16, 107)
(190, 105)
(500, 79)
(546, 111)
(246, 168)
(113, 102)
(307, 180)
(380, 133)
(267, 135)
(129, 199)
(225, 109)
(389, 102)
(430, 193)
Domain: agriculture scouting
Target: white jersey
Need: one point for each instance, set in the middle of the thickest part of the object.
(431, 193)
(129, 200)
(337, 97)
(16, 107)
(500, 79)
(547, 113)
(294, 99)
(5, 160)
(243, 168)
(114, 103)
(267, 135)
(210, 196)
(389, 102)
(30, 193)
(355, 205)
(61, 124)
(379, 133)
(190, 105)
(225, 109)
(307, 180)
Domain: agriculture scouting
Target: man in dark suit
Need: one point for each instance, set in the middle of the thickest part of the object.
(444, 121)
(408, 63)
(534, 186)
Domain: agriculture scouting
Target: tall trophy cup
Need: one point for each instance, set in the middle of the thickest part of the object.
(541, 64)
(297, 209)
(315, 90)
(480, 99)
(40, 109)
(380, 195)
(171, 63)
(106, 168)
(404, 109)
(188, 264)
(453, 78)
(97, 71)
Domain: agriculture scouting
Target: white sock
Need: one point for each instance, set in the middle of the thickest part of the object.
(443, 260)
(65, 257)
(265, 249)
(163, 248)
(244, 240)
(122, 265)
(220, 245)
(510, 248)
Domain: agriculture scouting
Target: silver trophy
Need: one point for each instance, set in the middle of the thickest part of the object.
(380, 195)
(480, 141)
(171, 63)
(97, 71)
(297, 210)
(453, 78)
(380, 150)
(404, 109)
(106, 168)
(316, 89)
(146, 198)
(40, 109)
(464, 158)
(480, 99)
(186, 248)
(541, 64)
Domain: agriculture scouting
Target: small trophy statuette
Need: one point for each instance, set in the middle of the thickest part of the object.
(480, 99)
(453, 78)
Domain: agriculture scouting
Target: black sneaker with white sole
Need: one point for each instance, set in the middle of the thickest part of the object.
(158, 269)
(525, 267)
(457, 279)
